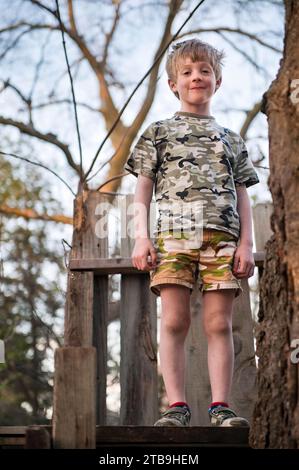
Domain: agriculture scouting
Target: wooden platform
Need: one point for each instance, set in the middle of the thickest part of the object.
(112, 436)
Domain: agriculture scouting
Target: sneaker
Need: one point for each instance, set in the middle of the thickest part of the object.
(175, 416)
(223, 416)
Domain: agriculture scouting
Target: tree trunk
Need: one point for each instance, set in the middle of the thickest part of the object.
(276, 415)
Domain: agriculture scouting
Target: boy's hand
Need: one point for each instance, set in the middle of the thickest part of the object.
(142, 249)
(243, 262)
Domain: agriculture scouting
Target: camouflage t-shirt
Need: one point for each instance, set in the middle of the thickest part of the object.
(195, 164)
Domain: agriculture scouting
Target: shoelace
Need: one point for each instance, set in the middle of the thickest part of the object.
(177, 414)
(223, 412)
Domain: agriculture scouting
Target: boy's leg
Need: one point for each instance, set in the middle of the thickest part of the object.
(217, 323)
(175, 323)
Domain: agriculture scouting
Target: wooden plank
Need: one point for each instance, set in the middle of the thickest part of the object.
(12, 436)
(262, 228)
(105, 266)
(100, 325)
(78, 320)
(89, 241)
(74, 421)
(123, 265)
(197, 377)
(6, 442)
(138, 368)
(13, 430)
(37, 438)
(196, 435)
(261, 214)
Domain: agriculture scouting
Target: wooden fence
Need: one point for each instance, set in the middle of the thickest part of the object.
(81, 365)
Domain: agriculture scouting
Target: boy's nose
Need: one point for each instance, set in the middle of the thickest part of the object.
(197, 77)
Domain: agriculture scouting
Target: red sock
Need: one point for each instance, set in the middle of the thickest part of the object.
(218, 403)
(179, 403)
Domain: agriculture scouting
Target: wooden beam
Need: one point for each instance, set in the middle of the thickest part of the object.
(124, 265)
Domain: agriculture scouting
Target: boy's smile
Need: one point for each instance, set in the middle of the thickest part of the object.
(196, 84)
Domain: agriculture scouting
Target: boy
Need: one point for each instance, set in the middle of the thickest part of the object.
(200, 171)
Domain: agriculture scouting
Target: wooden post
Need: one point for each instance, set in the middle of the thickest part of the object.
(74, 420)
(74, 398)
(138, 368)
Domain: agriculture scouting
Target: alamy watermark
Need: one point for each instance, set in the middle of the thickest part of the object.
(138, 221)
(294, 96)
(2, 352)
(295, 353)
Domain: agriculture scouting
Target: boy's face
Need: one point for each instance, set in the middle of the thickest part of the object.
(195, 83)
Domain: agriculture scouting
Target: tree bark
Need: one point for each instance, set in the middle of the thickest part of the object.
(276, 415)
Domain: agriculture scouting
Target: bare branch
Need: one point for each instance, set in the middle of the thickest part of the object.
(65, 100)
(48, 327)
(32, 214)
(231, 30)
(50, 138)
(78, 39)
(243, 53)
(109, 35)
(38, 68)
(73, 91)
(40, 165)
(14, 42)
(56, 81)
(115, 153)
(27, 101)
(111, 179)
(72, 17)
(8, 84)
(250, 116)
(44, 7)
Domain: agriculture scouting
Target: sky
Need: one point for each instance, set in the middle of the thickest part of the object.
(130, 56)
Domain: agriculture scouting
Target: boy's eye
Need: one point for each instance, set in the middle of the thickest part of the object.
(204, 71)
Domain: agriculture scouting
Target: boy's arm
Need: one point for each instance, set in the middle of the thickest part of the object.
(142, 200)
(243, 259)
(143, 245)
(244, 211)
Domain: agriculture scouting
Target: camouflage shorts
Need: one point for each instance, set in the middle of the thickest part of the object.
(182, 257)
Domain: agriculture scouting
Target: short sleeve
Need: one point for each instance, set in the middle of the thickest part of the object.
(244, 172)
(143, 159)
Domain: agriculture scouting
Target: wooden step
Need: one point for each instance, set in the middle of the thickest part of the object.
(195, 436)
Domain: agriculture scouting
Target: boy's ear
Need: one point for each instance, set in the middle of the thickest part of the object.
(172, 85)
(218, 84)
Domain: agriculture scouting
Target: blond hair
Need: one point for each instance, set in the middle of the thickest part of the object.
(196, 50)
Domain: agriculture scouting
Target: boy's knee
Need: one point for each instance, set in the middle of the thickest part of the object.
(177, 323)
(217, 324)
